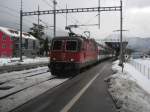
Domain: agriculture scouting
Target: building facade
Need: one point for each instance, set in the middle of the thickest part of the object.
(6, 45)
(9, 43)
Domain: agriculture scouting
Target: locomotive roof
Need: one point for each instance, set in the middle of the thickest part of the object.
(67, 37)
(81, 38)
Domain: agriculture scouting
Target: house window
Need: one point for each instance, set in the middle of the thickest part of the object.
(12, 38)
(16, 46)
(26, 44)
(34, 44)
(4, 37)
(3, 46)
(11, 46)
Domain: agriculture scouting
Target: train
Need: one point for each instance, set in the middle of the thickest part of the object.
(68, 55)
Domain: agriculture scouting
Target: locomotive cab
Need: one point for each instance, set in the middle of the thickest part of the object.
(70, 54)
(64, 56)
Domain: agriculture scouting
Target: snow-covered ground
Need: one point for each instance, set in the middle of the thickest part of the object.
(143, 61)
(16, 88)
(142, 65)
(130, 89)
(15, 61)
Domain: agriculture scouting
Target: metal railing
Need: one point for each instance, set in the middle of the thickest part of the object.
(145, 70)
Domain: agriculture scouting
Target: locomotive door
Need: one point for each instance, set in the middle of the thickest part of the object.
(84, 51)
(63, 54)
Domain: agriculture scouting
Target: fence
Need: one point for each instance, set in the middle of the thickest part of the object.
(145, 70)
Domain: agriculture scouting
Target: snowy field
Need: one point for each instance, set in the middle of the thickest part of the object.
(145, 62)
(16, 88)
(130, 89)
(142, 65)
(15, 61)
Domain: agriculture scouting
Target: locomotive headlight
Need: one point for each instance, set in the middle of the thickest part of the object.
(71, 59)
(54, 59)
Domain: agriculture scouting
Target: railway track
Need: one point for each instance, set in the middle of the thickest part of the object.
(19, 67)
(7, 77)
(17, 88)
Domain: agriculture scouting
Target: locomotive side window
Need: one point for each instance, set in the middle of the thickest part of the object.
(71, 45)
(57, 45)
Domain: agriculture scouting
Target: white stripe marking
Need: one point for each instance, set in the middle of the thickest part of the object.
(75, 98)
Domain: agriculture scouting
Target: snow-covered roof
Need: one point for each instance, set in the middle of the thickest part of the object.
(101, 42)
(15, 33)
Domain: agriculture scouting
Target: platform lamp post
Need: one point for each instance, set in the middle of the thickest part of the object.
(54, 3)
(121, 48)
(20, 47)
(121, 36)
(121, 44)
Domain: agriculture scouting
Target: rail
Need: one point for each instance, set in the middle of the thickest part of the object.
(19, 67)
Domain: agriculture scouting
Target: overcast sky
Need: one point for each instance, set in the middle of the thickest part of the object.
(136, 16)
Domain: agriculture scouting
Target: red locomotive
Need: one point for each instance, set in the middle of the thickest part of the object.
(70, 54)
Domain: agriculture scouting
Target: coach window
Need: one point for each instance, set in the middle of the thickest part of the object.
(57, 45)
(4, 37)
(71, 45)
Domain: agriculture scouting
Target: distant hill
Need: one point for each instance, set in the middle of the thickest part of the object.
(139, 44)
(135, 43)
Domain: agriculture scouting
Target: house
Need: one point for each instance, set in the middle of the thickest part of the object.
(9, 43)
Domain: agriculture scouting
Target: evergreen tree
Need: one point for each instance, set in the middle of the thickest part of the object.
(38, 32)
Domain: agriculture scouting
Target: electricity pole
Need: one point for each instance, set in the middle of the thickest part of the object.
(20, 50)
(121, 44)
(66, 17)
(55, 3)
(38, 22)
(99, 14)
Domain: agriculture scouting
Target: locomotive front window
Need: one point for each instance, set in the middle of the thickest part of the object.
(71, 45)
(57, 45)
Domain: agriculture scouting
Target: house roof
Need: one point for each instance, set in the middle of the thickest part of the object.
(15, 33)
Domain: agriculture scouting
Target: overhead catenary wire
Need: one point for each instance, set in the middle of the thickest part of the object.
(15, 17)
(73, 20)
(12, 15)
(48, 25)
(14, 11)
(47, 3)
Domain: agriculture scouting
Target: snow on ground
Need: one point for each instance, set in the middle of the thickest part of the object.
(22, 97)
(16, 88)
(15, 61)
(130, 89)
(143, 61)
(19, 84)
(21, 74)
